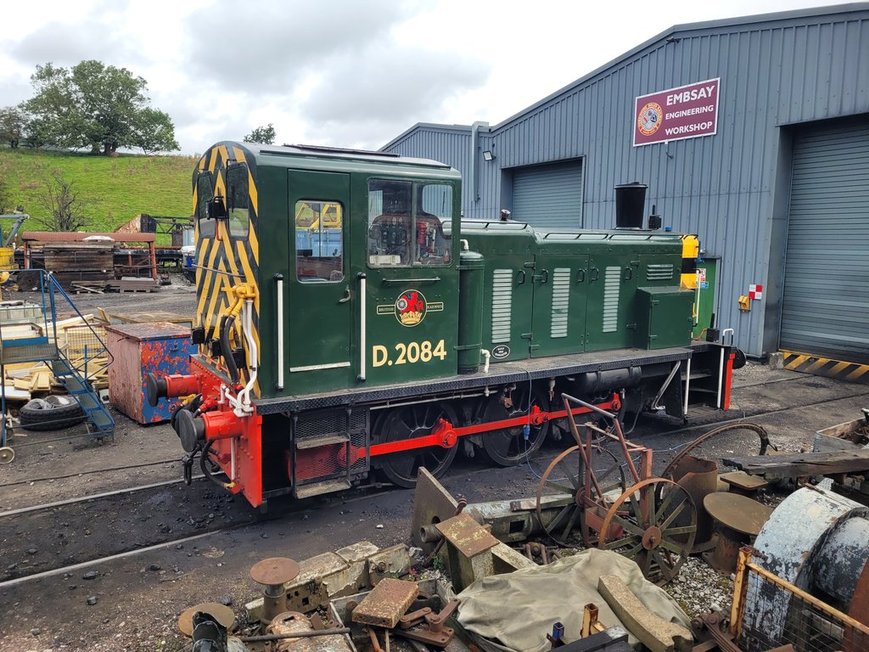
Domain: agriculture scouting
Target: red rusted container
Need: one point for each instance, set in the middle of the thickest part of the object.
(160, 348)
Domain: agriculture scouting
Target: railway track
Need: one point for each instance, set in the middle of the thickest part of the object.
(68, 534)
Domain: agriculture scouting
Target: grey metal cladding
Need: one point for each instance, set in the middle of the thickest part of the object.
(826, 299)
(548, 196)
(775, 70)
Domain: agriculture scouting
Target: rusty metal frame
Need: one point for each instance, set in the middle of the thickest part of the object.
(745, 565)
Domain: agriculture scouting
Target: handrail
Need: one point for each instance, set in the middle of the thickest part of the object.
(57, 285)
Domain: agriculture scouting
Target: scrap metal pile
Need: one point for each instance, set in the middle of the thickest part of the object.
(581, 565)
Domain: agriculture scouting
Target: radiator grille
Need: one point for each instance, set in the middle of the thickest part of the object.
(320, 452)
(611, 287)
(502, 304)
(321, 423)
(659, 272)
(560, 301)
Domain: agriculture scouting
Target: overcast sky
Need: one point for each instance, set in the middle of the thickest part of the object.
(340, 72)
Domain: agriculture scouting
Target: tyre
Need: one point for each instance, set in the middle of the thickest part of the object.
(50, 413)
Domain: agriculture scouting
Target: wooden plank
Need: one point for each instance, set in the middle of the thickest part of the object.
(802, 464)
(15, 394)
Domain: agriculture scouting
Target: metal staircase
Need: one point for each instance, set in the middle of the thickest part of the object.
(40, 344)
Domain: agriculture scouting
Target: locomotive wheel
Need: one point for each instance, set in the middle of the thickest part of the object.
(658, 523)
(565, 475)
(407, 422)
(508, 447)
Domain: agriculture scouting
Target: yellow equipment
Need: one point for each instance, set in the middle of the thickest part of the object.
(7, 241)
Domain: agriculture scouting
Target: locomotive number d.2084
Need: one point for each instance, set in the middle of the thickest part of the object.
(409, 353)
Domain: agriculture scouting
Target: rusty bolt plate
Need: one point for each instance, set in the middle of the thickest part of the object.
(386, 604)
(274, 571)
(466, 535)
(737, 512)
(221, 613)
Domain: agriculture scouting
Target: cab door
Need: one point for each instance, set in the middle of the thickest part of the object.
(320, 300)
(409, 282)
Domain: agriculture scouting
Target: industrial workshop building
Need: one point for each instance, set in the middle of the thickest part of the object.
(751, 132)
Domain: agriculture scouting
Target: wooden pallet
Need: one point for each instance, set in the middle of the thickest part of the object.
(133, 285)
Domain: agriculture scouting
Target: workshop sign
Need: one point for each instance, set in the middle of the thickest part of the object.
(677, 113)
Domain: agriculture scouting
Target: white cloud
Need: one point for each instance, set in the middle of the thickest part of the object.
(340, 72)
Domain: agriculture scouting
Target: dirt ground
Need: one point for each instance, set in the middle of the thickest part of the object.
(132, 601)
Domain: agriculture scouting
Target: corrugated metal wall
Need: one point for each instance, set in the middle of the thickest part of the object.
(549, 196)
(773, 73)
(447, 145)
(826, 295)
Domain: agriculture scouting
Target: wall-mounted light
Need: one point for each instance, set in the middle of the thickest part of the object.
(488, 156)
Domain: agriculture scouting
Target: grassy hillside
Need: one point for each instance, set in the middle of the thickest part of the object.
(114, 190)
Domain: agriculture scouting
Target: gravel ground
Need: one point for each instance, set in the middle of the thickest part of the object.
(700, 589)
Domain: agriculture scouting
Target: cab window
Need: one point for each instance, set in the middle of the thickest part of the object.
(319, 231)
(405, 223)
(238, 200)
(204, 194)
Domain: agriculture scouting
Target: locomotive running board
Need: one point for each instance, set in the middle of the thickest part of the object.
(500, 373)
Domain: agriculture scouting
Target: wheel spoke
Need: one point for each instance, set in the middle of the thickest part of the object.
(562, 489)
(637, 509)
(628, 526)
(644, 559)
(570, 524)
(672, 546)
(618, 543)
(666, 503)
(565, 512)
(662, 565)
(675, 531)
(571, 475)
(676, 511)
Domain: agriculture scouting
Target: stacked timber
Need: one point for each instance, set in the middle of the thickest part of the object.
(80, 262)
(78, 339)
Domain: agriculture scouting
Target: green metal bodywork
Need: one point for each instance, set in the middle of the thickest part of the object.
(559, 293)
(322, 321)
(543, 294)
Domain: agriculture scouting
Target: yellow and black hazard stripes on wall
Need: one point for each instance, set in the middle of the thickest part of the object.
(818, 366)
(223, 260)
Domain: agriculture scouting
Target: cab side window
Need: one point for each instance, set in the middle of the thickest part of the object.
(238, 200)
(319, 230)
(204, 195)
(405, 223)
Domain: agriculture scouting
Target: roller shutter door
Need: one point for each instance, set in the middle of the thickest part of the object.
(825, 309)
(549, 196)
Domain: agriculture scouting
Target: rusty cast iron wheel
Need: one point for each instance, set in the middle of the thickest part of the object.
(566, 475)
(508, 447)
(408, 422)
(727, 427)
(658, 523)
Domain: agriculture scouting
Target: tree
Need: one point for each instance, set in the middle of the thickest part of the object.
(12, 125)
(262, 135)
(96, 106)
(62, 203)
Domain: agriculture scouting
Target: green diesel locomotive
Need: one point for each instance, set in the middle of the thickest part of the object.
(348, 320)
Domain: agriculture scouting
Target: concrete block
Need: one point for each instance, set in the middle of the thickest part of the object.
(357, 551)
(653, 631)
(776, 360)
(393, 562)
(507, 560)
